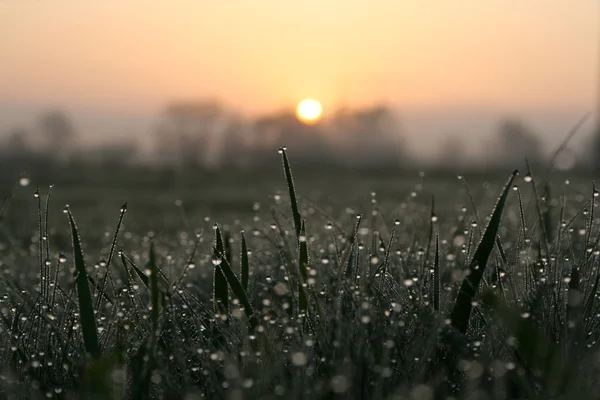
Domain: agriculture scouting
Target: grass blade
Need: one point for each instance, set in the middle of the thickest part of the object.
(461, 311)
(227, 247)
(245, 264)
(111, 253)
(220, 291)
(303, 273)
(143, 277)
(154, 291)
(290, 182)
(436, 274)
(237, 288)
(86, 308)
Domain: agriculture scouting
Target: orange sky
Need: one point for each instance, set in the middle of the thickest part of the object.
(263, 54)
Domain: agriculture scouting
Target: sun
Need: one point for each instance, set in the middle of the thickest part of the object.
(309, 111)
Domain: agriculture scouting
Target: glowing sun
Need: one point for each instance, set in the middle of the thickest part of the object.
(309, 111)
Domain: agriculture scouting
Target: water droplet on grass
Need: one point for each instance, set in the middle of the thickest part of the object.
(299, 359)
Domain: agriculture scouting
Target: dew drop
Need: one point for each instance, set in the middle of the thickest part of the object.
(299, 359)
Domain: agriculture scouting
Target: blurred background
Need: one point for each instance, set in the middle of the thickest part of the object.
(457, 85)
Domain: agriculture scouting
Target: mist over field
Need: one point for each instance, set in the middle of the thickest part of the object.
(203, 132)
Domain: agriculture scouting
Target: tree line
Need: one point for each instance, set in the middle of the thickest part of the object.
(205, 133)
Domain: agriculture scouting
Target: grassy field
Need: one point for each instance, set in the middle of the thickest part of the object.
(334, 284)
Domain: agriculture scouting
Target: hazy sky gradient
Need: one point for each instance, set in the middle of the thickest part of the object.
(258, 56)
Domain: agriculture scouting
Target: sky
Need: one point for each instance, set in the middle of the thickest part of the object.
(443, 59)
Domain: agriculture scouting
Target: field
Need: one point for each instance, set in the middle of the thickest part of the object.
(353, 284)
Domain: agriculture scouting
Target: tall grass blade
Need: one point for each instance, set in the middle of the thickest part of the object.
(220, 291)
(143, 277)
(290, 183)
(227, 247)
(461, 311)
(538, 207)
(111, 253)
(303, 273)
(432, 219)
(237, 289)
(46, 226)
(46, 290)
(436, 274)
(245, 264)
(86, 308)
(43, 268)
(154, 291)
(350, 253)
(564, 144)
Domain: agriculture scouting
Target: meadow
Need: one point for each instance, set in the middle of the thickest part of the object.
(299, 283)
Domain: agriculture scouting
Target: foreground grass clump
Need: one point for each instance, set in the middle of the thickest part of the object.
(414, 307)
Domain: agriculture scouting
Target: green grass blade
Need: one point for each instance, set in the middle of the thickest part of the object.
(432, 219)
(143, 277)
(227, 247)
(290, 182)
(42, 264)
(86, 308)
(111, 253)
(350, 253)
(538, 208)
(220, 291)
(389, 249)
(461, 311)
(436, 274)
(245, 264)
(47, 241)
(154, 290)
(237, 289)
(46, 225)
(303, 273)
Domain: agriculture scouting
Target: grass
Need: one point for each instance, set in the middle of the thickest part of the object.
(412, 301)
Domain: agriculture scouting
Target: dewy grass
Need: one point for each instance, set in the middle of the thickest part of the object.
(461, 311)
(86, 307)
(292, 191)
(220, 291)
(244, 264)
(303, 318)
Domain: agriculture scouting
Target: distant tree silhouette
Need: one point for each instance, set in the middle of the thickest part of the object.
(513, 143)
(205, 133)
(17, 142)
(368, 136)
(452, 152)
(191, 132)
(236, 144)
(112, 154)
(58, 134)
(308, 142)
